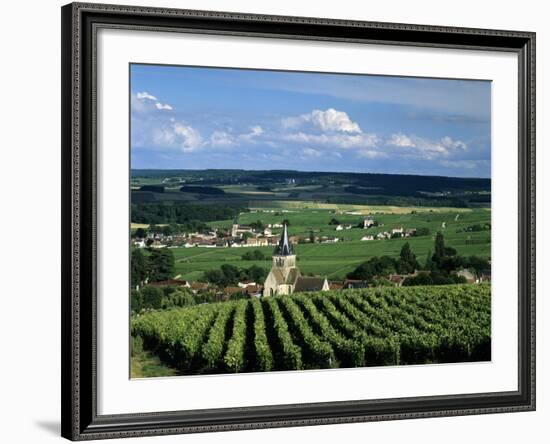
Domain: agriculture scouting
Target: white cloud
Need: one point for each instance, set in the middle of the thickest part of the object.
(401, 140)
(426, 148)
(145, 96)
(453, 144)
(372, 154)
(343, 141)
(143, 102)
(222, 139)
(311, 152)
(327, 121)
(463, 164)
(255, 131)
(163, 106)
(177, 135)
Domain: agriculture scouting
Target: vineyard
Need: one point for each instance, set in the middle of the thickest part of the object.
(350, 328)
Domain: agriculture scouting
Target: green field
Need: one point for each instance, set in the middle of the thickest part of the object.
(352, 328)
(335, 260)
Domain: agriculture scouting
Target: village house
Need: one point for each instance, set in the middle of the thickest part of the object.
(397, 279)
(157, 244)
(257, 242)
(253, 291)
(140, 243)
(336, 285)
(238, 230)
(172, 283)
(468, 275)
(354, 283)
(244, 284)
(198, 286)
(397, 231)
(484, 276)
(233, 291)
(367, 238)
(368, 222)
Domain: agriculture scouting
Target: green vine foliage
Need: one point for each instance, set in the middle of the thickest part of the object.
(347, 328)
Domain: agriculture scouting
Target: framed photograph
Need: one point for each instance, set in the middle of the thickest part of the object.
(281, 221)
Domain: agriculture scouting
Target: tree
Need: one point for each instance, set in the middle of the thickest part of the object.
(376, 266)
(136, 300)
(255, 255)
(256, 274)
(479, 264)
(407, 259)
(311, 237)
(258, 225)
(334, 221)
(214, 277)
(424, 231)
(161, 264)
(439, 250)
(231, 274)
(141, 233)
(167, 230)
(429, 264)
(152, 297)
(286, 222)
(138, 268)
(422, 278)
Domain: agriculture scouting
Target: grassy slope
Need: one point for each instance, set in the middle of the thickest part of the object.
(335, 260)
(146, 365)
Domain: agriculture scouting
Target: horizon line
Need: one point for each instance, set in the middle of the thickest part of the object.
(310, 171)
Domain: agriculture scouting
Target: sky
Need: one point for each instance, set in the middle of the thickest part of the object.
(197, 118)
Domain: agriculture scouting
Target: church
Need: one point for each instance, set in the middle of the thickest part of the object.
(285, 276)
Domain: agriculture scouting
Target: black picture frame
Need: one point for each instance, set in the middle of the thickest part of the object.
(80, 420)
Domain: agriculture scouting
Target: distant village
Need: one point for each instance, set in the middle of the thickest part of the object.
(284, 277)
(240, 236)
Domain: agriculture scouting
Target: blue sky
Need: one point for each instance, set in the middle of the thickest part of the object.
(195, 118)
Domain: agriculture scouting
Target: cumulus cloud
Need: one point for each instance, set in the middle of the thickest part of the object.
(254, 132)
(343, 141)
(176, 135)
(144, 102)
(222, 139)
(426, 148)
(327, 121)
(162, 106)
(401, 140)
(145, 96)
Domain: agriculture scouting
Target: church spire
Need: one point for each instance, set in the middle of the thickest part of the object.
(284, 248)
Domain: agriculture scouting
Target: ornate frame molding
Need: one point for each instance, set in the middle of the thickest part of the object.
(79, 394)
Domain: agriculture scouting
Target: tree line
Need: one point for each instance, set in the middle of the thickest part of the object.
(437, 270)
(181, 213)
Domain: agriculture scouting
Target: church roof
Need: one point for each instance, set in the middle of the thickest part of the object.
(306, 283)
(284, 247)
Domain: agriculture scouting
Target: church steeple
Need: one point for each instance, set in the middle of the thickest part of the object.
(284, 248)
